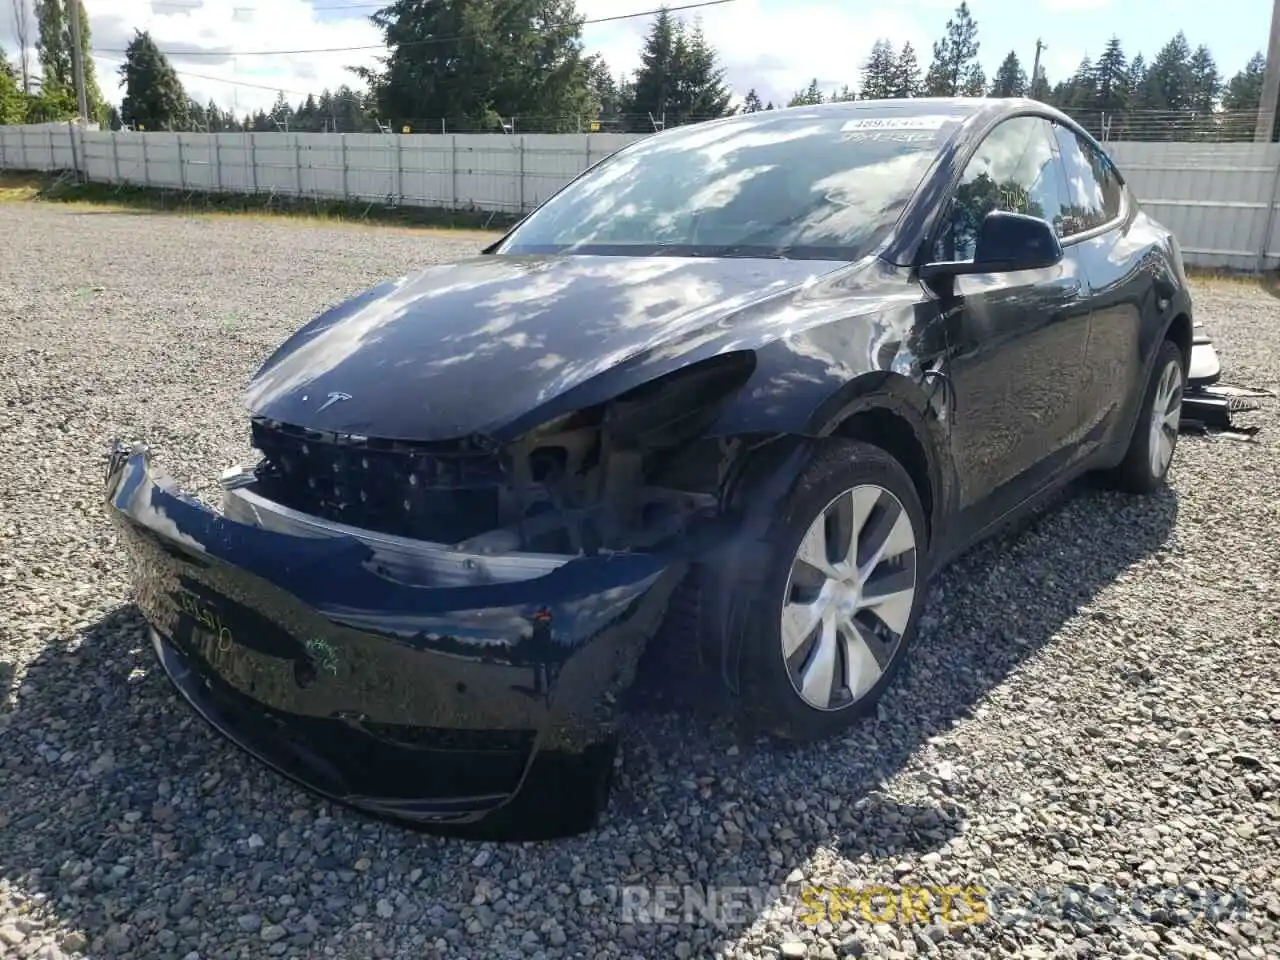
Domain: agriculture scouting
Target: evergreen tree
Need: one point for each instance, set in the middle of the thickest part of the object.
(216, 119)
(751, 103)
(606, 95)
(906, 78)
(702, 92)
(1243, 92)
(1113, 83)
(153, 95)
(655, 81)
(1010, 80)
(478, 62)
(1241, 99)
(1082, 88)
(679, 78)
(809, 96)
(880, 72)
(955, 67)
(1206, 81)
(1168, 84)
(975, 82)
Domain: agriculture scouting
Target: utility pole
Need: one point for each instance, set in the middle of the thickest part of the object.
(1035, 67)
(1264, 131)
(77, 64)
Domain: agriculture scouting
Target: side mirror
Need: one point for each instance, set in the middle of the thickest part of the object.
(1006, 242)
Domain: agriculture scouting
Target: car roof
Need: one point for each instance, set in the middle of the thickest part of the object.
(957, 110)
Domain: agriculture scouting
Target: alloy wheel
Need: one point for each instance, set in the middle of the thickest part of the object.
(848, 597)
(1166, 413)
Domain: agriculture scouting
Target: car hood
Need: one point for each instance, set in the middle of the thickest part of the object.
(467, 347)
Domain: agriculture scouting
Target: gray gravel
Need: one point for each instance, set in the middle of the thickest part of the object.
(1093, 707)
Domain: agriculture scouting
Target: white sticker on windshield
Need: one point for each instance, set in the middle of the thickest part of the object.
(934, 122)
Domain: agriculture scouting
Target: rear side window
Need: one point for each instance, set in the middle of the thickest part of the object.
(1014, 169)
(1093, 191)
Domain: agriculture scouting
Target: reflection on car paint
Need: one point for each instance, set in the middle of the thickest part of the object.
(486, 557)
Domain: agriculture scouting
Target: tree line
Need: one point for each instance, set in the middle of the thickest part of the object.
(513, 65)
(45, 91)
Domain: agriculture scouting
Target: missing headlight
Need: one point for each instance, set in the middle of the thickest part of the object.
(628, 474)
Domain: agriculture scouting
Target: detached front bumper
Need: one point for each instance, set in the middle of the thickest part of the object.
(401, 678)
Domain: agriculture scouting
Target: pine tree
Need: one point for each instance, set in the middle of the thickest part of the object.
(1111, 74)
(1206, 81)
(1168, 84)
(955, 57)
(751, 103)
(1010, 80)
(702, 92)
(1244, 91)
(906, 76)
(153, 95)
(655, 82)
(478, 62)
(879, 73)
(975, 82)
(606, 92)
(1241, 99)
(810, 95)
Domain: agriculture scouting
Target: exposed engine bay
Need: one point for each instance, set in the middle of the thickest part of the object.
(628, 474)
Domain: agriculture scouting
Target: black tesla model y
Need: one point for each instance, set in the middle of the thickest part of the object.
(748, 384)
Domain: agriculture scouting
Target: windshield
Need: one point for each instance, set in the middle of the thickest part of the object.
(814, 184)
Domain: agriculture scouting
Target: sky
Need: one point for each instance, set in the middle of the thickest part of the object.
(775, 46)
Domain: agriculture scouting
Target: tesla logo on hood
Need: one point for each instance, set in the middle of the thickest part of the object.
(331, 399)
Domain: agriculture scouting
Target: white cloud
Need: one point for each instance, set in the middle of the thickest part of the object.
(228, 26)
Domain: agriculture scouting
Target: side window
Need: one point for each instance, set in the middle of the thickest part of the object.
(1108, 179)
(1093, 190)
(1014, 169)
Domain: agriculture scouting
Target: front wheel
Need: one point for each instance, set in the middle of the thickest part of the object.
(831, 623)
(1155, 436)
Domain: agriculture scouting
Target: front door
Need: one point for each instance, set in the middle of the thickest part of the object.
(1015, 342)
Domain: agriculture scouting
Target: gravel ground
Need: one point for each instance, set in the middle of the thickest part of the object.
(1093, 706)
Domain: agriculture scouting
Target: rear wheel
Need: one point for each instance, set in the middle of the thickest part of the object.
(1155, 435)
(831, 624)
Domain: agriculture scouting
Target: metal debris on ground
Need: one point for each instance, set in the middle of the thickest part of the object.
(1207, 404)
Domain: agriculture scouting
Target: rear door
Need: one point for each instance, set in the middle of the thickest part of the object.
(1016, 340)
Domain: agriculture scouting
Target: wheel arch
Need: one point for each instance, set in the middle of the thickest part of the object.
(891, 413)
(1179, 331)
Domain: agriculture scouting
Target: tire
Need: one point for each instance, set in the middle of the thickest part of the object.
(843, 481)
(1142, 471)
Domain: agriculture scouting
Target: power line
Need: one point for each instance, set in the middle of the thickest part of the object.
(234, 83)
(410, 43)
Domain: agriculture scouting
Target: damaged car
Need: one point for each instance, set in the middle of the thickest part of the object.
(747, 384)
